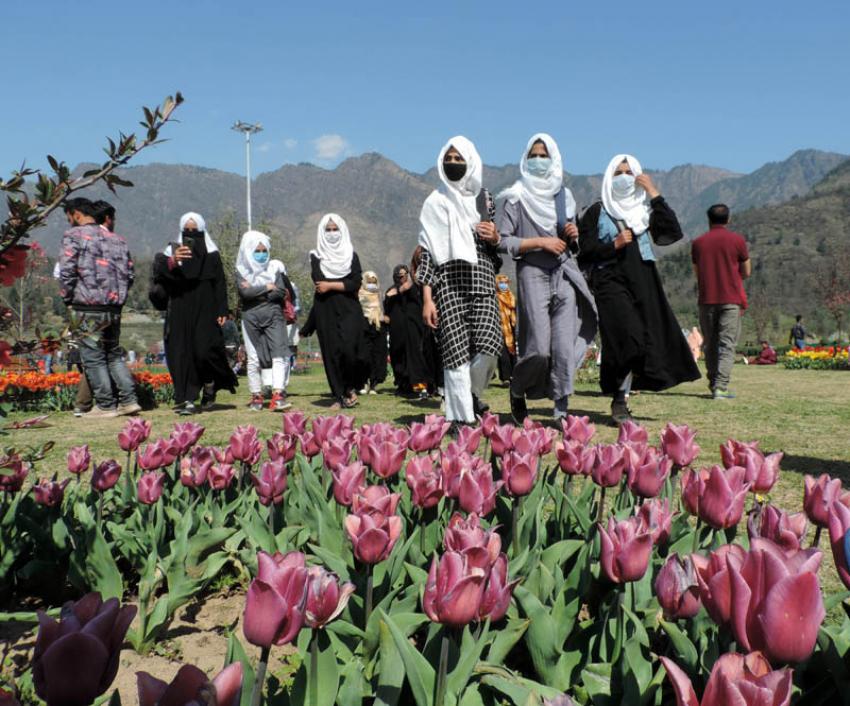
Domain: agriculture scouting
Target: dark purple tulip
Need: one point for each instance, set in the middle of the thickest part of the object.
(185, 435)
(658, 518)
(762, 471)
(294, 423)
(150, 486)
(646, 476)
(190, 687)
(135, 431)
(677, 442)
(609, 465)
(75, 660)
(282, 447)
(455, 587)
(50, 493)
(270, 483)
(721, 501)
(714, 576)
(787, 531)
(159, 454)
(326, 599)
(348, 481)
(626, 549)
(693, 485)
(498, 591)
(425, 481)
(220, 476)
(79, 459)
(105, 475)
(13, 482)
(677, 589)
(276, 600)
(245, 445)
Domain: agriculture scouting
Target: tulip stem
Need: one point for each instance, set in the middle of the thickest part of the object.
(440, 696)
(601, 508)
(816, 540)
(271, 518)
(260, 677)
(695, 546)
(100, 510)
(314, 669)
(369, 588)
(515, 526)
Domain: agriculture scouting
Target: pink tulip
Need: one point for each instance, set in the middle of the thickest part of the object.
(348, 481)
(135, 431)
(646, 478)
(79, 459)
(819, 495)
(777, 606)
(326, 428)
(455, 587)
(427, 436)
(75, 660)
(105, 475)
(309, 444)
(658, 519)
(578, 429)
(190, 687)
(195, 467)
(632, 433)
(477, 491)
(386, 458)
(739, 680)
(425, 481)
(469, 438)
(375, 498)
(714, 576)
(220, 476)
(762, 471)
(693, 485)
(461, 535)
(276, 600)
(294, 423)
(282, 447)
(733, 453)
(498, 592)
(150, 486)
(373, 535)
(489, 422)
(677, 442)
(50, 493)
(626, 549)
(245, 446)
(677, 589)
(270, 483)
(839, 525)
(574, 458)
(223, 455)
(502, 439)
(185, 435)
(721, 502)
(326, 599)
(453, 464)
(787, 531)
(608, 466)
(335, 452)
(519, 472)
(13, 482)
(159, 454)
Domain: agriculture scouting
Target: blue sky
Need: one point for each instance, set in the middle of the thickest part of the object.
(731, 84)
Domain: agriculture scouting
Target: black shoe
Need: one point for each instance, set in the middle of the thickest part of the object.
(519, 410)
(208, 397)
(479, 408)
(620, 412)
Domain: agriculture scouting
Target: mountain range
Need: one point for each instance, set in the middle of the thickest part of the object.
(381, 201)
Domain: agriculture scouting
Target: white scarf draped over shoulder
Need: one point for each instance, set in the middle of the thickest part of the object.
(202, 226)
(449, 214)
(633, 208)
(537, 194)
(253, 272)
(334, 259)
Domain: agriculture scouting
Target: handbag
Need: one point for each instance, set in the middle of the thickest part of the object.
(288, 308)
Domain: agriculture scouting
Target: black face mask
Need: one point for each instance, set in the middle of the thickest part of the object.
(454, 170)
(190, 235)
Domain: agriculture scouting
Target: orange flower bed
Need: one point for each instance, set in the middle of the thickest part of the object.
(34, 381)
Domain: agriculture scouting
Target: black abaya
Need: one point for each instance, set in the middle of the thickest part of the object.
(194, 345)
(638, 329)
(407, 338)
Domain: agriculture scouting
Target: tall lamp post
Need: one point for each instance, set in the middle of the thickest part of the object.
(249, 130)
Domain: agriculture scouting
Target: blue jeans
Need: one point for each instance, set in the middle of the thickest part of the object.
(103, 358)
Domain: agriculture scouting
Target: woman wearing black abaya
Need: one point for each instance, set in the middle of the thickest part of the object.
(336, 315)
(403, 306)
(642, 343)
(193, 277)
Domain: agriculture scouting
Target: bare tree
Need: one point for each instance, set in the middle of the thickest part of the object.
(759, 309)
(831, 284)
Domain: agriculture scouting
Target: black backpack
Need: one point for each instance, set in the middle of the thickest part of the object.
(157, 294)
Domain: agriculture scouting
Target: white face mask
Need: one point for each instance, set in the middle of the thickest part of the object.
(623, 185)
(333, 236)
(371, 286)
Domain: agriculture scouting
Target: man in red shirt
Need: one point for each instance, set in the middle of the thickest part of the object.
(721, 263)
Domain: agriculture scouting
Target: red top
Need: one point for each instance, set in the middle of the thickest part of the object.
(718, 255)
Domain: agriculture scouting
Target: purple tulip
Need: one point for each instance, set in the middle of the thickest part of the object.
(498, 591)
(326, 599)
(245, 446)
(477, 491)
(742, 680)
(608, 466)
(721, 500)
(386, 457)
(294, 423)
(150, 486)
(733, 453)
(839, 525)
(632, 433)
(348, 481)
(326, 428)
(190, 687)
(646, 477)
(282, 447)
(461, 535)
(762, 471)
(425, 481)
(519, 472)
(75, 660)
(79, 459)
(375, 498)
(658, 519)
(159, 454)
(819, 496)
(335, 452)
(195, 467)
(626, 549)
(714, 576)
(220, 476)
(276, 600)
(455, 587)
(693, 484)
(135, 431)
(270, 483)
(105, 475)
(373, 535)
(677, 442)
(13, 482)
(578, 429)
(502, 439)
(427, 437)
(677, 589)
(787, 531)
(50, 493)
(309, 444)
(469, 438)
(453, 464)
(185, 435)
(489, 422)
(575, 458)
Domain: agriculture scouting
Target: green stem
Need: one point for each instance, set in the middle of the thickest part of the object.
(260, 677)
(816, 540)
(600, 510)
(314, 669)
(696, 537)
(422, 531)
(440, 697)
(100, 511)
(271, 518)
(515, 526)
(621, 625)
(369, 589)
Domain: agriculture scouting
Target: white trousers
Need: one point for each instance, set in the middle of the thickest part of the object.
(275, 378)
(464, 382)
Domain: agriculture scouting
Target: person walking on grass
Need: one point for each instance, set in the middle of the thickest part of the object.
(95, 276)
(721, 263)
(797, 338)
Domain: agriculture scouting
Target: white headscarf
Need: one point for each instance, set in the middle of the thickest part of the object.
(633, 208)
(449, 214)
(249, 269)
(537, 194)
(335, 260)
(202, 226)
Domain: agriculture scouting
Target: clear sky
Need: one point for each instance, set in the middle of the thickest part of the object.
(727, 83)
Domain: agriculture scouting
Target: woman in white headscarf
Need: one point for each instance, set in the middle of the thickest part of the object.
(190, 278)
(263, 287)
(457, 269)
(336, 316)
(556, 314)
(642, 343)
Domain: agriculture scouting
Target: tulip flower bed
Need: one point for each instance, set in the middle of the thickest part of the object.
(511, 565)
(33, 391)
(817, 358)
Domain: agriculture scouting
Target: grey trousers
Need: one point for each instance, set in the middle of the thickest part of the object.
(103, 358)
(721, 326)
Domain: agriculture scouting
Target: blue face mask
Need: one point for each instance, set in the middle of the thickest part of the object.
(503, 286)
(623, 185)
(261, 256)
(538, 166)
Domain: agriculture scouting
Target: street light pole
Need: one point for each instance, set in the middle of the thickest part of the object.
(248, 129)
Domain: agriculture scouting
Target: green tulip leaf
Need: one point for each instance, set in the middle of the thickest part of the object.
(420, 674)
(470, 653)
(390, 670)
(681, 643)
(354, 686)
(505, 639)
(323, 683)
(236, 653)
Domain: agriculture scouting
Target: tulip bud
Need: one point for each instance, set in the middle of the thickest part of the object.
(309, 444)
(425, 482)
(578, 429)
(626, 549)
(386, 457)
(677, 442)
(245, 445)
(721, 502)
(715, 580)
(762, 471)
(191, 686)
(819, 495)
(477, 491)
(150, 486)
(270, 484)
(608, 466)
(79, 459)
(677, 589)
(348, 481)
(519, 472)
(276, 600)
(498, 592)
(159, 454)
(646, 477)
(455, 587)
(105, 475)
(326, 599)
(50, 493)
(294, 423)
(373, 535)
